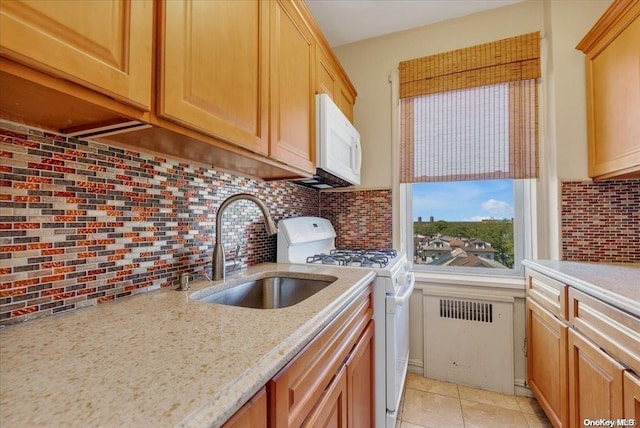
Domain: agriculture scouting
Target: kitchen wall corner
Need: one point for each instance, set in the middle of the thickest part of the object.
(362, 218)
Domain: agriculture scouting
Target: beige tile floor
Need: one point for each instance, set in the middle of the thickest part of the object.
(436, 404)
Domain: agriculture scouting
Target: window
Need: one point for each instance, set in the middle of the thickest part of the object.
(469, 226)
(468, 155)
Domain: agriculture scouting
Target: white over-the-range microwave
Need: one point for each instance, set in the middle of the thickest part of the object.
(338, 151)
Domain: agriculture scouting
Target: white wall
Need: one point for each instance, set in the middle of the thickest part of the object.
(563, 150)
(562, 24)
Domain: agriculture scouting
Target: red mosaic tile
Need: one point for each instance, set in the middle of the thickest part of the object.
(52, 291)
(26, 199)
(362, 219)
(25, 311)
(63, 296)
(40, 245)
(22, 185)
(141, 228)
(23, 226)
(12, 248)
(601, 221)
(26, 282)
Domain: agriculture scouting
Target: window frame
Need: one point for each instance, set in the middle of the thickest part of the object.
(523, 224)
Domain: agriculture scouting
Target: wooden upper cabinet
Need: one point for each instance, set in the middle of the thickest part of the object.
(329, 81)
(105, 45)
(214, 70)
(292, 87)
(613, 92)
(345, 100)
(326, 74)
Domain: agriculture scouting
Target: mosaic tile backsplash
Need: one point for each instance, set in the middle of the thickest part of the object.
(83, 223)
(362, 219)
(601, 221)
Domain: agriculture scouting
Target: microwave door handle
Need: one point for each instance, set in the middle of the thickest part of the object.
(357, 155)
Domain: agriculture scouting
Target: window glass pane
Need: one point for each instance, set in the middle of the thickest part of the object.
(464, 224)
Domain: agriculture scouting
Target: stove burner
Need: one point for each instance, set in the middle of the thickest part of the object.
(365, 257)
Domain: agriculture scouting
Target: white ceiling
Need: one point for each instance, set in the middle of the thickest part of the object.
(347, 21)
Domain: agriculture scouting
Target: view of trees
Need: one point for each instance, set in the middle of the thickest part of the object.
(497, 232)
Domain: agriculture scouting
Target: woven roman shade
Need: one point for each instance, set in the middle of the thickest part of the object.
(471, 114)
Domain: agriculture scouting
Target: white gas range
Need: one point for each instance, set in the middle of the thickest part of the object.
(312, 240)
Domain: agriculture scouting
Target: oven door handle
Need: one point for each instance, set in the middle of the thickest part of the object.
(394, 302)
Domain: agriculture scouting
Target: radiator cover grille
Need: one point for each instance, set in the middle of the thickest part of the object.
(466, 310)
(468, 339)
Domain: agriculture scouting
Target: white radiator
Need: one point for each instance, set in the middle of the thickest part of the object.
(469, 340)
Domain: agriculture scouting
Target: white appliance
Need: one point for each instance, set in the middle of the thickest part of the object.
(338, 151)
(312, 240)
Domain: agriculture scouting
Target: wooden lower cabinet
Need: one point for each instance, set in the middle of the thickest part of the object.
(547, 374)
(331, 411)
(595, 387)
(360, 385)
(252, 415)
(309, 388)
(631, 392)
(583, 356)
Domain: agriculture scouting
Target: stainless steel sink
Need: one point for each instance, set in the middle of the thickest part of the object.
(270, 292)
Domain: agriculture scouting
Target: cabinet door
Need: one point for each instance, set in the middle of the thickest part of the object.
(547, 362)
(613, 99)
(331, 410)
(251, 415)
(105, 45)
(329, 81)
(631, 396)
(361, 382)
(292, 88)
(345, 100)
(326, 74)
(595, 382)
(213, 74)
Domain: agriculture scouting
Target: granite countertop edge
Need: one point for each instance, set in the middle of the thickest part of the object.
(612, 283)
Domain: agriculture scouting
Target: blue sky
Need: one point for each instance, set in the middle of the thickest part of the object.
(463, 200)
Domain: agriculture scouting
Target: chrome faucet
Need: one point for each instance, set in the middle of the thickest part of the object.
(218, 249)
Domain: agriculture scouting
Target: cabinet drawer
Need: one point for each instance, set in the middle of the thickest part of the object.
(296, 389)
(548, 293)
(615, 331)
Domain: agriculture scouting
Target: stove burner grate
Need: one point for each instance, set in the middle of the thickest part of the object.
(361, 257)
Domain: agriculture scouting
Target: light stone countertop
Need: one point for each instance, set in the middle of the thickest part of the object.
(160, 358)
(615, 284)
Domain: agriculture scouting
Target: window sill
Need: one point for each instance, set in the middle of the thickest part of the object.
(490, 281)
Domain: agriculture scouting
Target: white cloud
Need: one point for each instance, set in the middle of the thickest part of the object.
(500, 209)
(478, 218)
